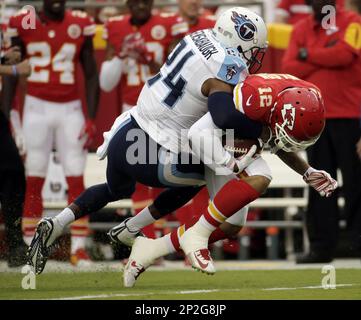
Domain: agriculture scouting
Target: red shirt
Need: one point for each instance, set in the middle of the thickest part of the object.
(53, 49)
(297, 10)
(333, 63)
(158, 32)
(256, 96)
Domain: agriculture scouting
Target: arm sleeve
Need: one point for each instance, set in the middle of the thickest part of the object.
(226, 116)
(206, 142)
(290, 63)
(110, 74)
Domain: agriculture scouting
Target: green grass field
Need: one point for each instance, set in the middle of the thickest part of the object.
(257, 284)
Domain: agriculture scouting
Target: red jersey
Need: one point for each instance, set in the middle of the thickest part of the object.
(256, 96)
(296, 10)
(333, 62)
(158, 32)
(53, 49)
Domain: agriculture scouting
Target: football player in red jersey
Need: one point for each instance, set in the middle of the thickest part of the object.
(137, 46)
(293, 111)
(52, 109)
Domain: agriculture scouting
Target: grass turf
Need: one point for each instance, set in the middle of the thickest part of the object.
(185, 285)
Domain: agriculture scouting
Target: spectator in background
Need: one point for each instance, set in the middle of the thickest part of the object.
(329, 56)
(292, 11)
(12, 173)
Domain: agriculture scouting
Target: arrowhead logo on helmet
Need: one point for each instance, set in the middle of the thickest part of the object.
(288, 113)
(244, 27)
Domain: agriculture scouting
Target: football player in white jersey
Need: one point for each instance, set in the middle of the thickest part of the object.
(198, 76)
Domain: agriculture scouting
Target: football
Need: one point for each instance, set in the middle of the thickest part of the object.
(239, 147)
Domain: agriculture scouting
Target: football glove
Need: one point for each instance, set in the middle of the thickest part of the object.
(134, 47)
(88, 131)
(17, 132)
(243, 162)
(321, 181)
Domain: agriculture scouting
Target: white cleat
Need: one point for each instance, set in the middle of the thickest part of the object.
(144, 252)
(195, 247)
(121, 234)
(47, 231)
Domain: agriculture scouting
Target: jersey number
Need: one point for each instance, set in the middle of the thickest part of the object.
(140, 73)
(176, 87)
(41, 61)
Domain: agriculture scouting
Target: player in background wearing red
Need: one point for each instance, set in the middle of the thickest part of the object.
(293, 111)
(329, 56)
(52, 112)
(137, 45)
(292, 11)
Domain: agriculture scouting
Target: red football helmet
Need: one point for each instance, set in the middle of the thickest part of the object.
(297, 119)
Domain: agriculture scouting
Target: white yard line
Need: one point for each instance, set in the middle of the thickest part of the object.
(114, 295)
(308, 287)
(183, 292)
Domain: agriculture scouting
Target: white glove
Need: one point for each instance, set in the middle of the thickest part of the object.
(244, 161)
(17, 132)
(321, 181)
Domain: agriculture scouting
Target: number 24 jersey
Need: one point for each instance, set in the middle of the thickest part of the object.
(53, 49)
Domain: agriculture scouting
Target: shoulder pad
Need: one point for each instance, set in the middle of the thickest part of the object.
(167, 14)
(79, 14)
(232, 69)
(116, 18)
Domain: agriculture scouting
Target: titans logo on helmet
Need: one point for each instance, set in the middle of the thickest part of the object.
(245, 28)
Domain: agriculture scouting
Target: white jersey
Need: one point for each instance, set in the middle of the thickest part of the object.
(172, 101)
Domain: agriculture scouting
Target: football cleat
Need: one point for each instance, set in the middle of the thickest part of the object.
(121, 235)
(39, 250)
(195, 247)
(144, 253)
(201, 260)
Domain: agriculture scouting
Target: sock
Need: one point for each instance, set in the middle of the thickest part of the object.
(65, 217)
(79, 229)
(141, 220)
(176, 234)
(232, 197)
(33, 207)
(142, 198)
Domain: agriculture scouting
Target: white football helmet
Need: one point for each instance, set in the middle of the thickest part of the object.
(244, 30)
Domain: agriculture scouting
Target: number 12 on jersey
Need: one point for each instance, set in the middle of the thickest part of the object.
(176, 88)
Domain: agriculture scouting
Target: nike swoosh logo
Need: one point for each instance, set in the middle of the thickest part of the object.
(203, 265)
(248, 103)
